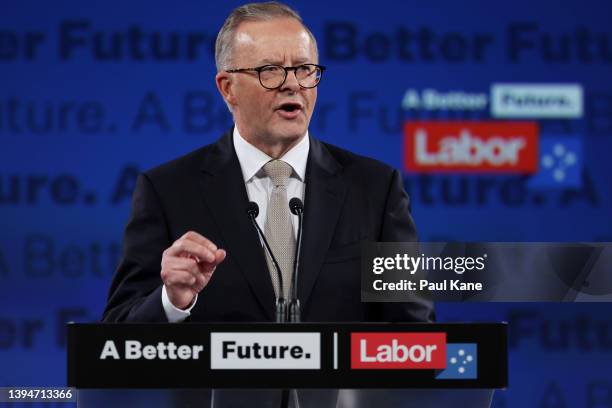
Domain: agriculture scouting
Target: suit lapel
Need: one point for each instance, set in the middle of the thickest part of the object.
(325, 192)
(226, 196)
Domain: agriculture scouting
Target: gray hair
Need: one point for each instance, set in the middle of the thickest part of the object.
(251, 12)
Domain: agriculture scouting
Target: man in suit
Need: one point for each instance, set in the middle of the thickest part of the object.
(190, 250)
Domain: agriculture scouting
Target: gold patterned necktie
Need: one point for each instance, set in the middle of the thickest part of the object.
(278, 227)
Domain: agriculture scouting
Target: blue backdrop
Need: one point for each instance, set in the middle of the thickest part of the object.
(94, 92)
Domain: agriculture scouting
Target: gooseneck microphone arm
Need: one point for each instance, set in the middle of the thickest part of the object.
(297, 208)
(281, 303)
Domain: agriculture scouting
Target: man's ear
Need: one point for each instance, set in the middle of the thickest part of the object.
(225, 87)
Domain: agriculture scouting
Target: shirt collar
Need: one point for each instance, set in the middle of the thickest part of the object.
(252, 159)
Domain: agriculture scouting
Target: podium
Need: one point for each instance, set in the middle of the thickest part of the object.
(341, 365)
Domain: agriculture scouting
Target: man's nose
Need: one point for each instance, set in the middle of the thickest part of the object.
(291, 82)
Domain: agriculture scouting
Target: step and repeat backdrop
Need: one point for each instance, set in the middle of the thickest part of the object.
(498, 114)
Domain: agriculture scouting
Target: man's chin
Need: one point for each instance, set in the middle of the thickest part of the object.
(289, 132)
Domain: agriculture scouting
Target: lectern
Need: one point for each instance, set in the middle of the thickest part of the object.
(372, 364)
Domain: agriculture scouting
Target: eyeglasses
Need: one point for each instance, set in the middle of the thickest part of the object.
(274, 76)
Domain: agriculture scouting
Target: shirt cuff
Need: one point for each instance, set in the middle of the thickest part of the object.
(173, 313)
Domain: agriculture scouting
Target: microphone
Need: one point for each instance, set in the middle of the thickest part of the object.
(297, 208)
(281, 303)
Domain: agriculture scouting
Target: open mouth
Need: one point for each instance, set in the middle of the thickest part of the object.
(290, 107)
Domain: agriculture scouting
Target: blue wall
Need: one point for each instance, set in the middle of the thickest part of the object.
(77, 126)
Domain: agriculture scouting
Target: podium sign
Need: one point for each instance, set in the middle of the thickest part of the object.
(299, 355)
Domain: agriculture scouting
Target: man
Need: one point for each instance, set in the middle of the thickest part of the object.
(190, 250)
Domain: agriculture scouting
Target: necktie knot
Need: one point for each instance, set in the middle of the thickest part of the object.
(278, 171)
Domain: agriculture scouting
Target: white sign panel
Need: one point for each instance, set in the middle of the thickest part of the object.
(265, 351)
(537, 101)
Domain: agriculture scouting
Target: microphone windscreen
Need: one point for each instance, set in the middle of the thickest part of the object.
(296, 206)
(253, 209)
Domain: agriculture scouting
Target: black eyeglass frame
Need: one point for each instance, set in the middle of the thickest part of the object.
(286, 69)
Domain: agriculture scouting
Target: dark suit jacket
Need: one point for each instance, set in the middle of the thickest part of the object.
(348, 199)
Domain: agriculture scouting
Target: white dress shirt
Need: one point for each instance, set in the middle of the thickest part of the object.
(259, 188)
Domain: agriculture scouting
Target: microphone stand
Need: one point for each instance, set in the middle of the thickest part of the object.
(297, 208)
(281, 303)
